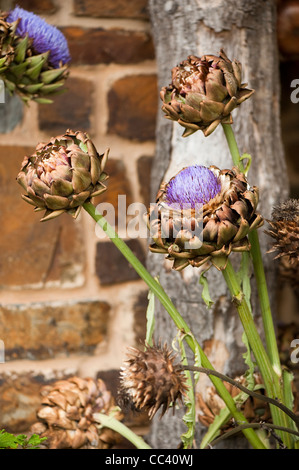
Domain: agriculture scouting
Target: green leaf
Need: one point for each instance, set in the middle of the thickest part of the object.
(288, 377)
(20, 50)
(33, 442)
(2, 61)
(248, 157)
(244, 277)
(114, 424)
(43, 100)
(10, 441)
(52, 87)
(214, 428)
(7, 440)
(52, 75)
(205, 294)
(83, 147)
(150, 318)
(189, 400)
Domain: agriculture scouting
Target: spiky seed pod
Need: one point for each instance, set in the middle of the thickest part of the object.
(63, 174)
(34, 56)
(210, 405)
(204, 91)
(150, 380)
(203, 214)
(65, 416)
(284, 228)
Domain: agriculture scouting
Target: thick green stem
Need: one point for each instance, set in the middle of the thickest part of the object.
(251, 393)
(266, 426)
(261, 283)
(176, 317)
(270, 378)
(114, 424)
(258, 266)
(232, 144)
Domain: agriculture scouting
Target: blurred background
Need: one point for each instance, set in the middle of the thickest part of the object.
(69, 302)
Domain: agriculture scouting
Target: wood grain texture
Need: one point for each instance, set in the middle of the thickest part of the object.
(246, 31)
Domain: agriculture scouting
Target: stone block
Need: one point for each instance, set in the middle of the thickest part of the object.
(112, 267)
(53, 329)
(118, 185)
(37, 6)
(34, 254)
(135, 9)
(144, 168)
(20, 397)
(132, 102)
(92, 46)
(69, 110)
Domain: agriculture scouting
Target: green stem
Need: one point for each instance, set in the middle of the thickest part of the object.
(232, 144)
(251, 393)
(271, 380)
(117, 426)
(266, 426)
(176, 317)
(261, 283)
(258, 266)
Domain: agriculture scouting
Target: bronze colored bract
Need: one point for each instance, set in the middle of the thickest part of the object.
(63, 174)
(65, 416)
(210, 233)
(284, 229)
(150, 380)
(203, 92)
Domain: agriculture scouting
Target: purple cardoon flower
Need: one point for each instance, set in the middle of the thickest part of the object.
(45, 37)
(193, 186)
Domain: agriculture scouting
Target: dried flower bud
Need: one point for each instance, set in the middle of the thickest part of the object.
(63, 174)
(150, 380)
(204, 91)
(284, 228)
(65, 417)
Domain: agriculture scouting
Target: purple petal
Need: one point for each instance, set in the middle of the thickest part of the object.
(45, 37)
(193, 186)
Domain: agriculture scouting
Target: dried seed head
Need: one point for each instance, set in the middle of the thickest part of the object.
(65, 416)
(150, 380)
(284, 228)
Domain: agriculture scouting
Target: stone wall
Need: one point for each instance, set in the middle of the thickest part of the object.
(69, 302)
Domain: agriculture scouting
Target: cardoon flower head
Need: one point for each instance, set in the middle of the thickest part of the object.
(203, 214)
(34, 56)
(45, 37)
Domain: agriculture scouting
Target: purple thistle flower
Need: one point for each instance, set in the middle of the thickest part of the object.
(45, 37)
(193, 186)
